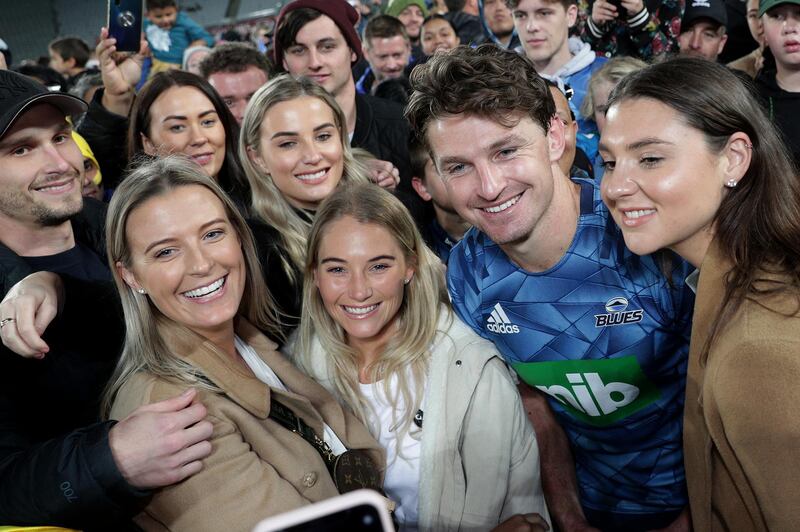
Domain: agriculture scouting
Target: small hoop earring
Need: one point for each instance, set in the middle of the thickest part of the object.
(748, 146)
(731, 183)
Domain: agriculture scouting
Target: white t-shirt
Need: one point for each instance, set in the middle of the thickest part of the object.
(265, 374)
(401, 482)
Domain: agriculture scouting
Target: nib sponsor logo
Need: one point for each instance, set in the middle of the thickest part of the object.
(498, 322)
(599, 392)
(617, 315)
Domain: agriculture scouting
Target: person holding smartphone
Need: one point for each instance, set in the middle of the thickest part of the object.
(645, 29)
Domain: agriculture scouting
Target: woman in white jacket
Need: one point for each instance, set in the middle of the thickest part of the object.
(378, 332)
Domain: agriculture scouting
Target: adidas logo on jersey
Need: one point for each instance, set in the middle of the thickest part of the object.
(617, 315)
(498, 322)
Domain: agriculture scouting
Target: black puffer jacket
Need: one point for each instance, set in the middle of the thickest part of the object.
(56, 466)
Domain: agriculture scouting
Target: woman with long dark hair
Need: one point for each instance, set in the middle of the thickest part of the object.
(179, 112)
(694, 165)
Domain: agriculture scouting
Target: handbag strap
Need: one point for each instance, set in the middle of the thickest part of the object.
(284, 416)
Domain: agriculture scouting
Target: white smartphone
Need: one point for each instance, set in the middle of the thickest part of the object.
(357, 511)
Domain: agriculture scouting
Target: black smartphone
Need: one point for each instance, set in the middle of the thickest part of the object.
(124, 23)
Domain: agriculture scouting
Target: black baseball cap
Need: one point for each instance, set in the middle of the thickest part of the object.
(18, 93)
(713, 10)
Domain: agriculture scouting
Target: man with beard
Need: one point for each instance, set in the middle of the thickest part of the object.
(59, 464)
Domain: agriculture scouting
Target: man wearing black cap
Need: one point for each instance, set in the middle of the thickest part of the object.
(59, 465)
(317, 39)
(703, 29)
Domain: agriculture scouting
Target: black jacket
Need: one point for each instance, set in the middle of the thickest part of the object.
(106, 133)
(56, 466)
(783, 108)
(382, 130)
(287, 295)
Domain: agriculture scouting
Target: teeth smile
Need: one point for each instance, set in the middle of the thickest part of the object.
(52, 187)
(639, 213)
(311, 177)
(503, 206)
(359, 310)
(205, 290)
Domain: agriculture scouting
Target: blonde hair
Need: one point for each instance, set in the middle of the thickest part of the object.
(612, 72)
(268, 202)
(407, 354)
(144, 348)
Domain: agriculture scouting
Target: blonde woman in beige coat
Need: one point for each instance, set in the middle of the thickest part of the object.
(196, 313)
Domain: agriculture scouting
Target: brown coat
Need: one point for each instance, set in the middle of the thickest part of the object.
(257, 468)
(742, 425)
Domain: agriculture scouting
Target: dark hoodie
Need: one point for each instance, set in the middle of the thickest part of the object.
(468, 27)
(490, 37)
(783, 108)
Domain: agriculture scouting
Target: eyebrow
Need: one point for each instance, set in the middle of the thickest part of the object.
(323, 40)
(511, 138)
(639, 144)
(170, 239)
(373, 259)
(181, 117)
(295, 133)
(27, 138)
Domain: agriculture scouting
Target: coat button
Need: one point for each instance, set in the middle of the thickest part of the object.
(458, 362)
(309, 479)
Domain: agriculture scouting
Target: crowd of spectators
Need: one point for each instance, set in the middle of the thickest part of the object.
(524, 264)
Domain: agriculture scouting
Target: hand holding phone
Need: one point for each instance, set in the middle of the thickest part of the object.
(120, 72)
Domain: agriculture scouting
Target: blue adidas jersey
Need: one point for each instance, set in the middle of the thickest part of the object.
(606, 337)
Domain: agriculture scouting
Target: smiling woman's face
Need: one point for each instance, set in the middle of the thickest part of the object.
(361, 275)
(662, 183)
(301, 148)
(187, 257)
(183, 120)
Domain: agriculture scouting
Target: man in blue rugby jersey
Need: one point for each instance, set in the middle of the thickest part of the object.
(599, 335)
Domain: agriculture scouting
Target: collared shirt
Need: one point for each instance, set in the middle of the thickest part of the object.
(692, 278)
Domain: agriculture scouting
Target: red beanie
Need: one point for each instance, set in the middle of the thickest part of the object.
(342, 13)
